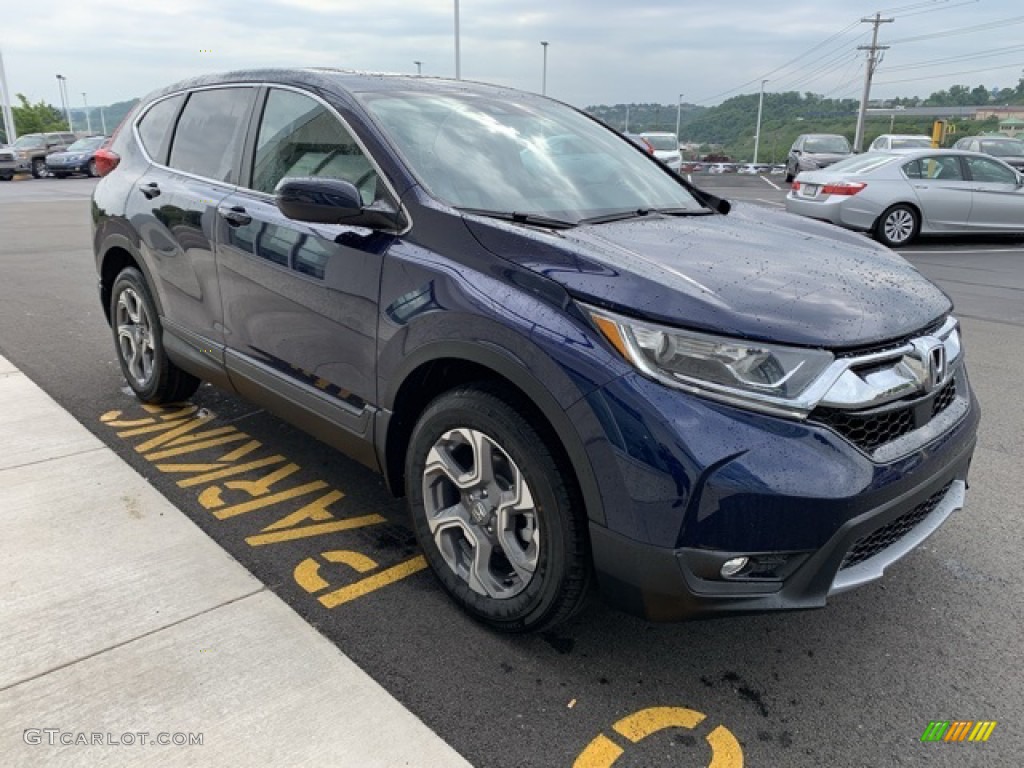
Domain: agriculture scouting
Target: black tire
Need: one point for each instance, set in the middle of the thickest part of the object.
(558, 585)
(91, 169)
(7, 178)
(790, 175)
(166, 383)
(60, 175)
(898, 225)
(38, 168)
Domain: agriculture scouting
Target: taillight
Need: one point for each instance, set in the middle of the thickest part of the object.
(106, 160)
(844, 188)
(796, 186)
(650, 147)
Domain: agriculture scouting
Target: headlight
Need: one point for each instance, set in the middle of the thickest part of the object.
(767, 377)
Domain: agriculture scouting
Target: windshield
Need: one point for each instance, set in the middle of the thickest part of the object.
(83, 145)
(827, 144)
(528, 156)
(1007, 148)
(663, 143)
(911, 143)
(29, 142)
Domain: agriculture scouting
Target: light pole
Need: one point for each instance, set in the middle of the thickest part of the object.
(62, 84)
(679, 114)
(103, 121)
(458, 62)
(757, 136)
(5, 106)
(419, 67)
(544, 77)
(88, 121)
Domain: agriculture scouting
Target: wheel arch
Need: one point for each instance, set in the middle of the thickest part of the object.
(910, 204)
(118, 254)
(442, 366)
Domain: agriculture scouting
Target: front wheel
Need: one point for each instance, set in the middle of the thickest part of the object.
(898, 225)
(39, 168)
(91, 169)
(496, 512)
(138, 338)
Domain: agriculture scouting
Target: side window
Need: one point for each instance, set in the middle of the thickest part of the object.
(298, 136)
(912, 170)
(210, 132)
(983, 169)
(946, 168)
(155, 127)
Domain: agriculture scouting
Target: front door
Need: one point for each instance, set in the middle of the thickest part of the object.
(998, 196)
(300, 300)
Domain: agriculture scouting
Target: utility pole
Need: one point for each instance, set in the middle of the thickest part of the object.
(544, 77)
(103, 121)
(5, 105)
(873, 60)
(757, 136)
(458, 57)
(679, 114)
(419, 67)
(63, 84)
(88, 120)
(627, 119)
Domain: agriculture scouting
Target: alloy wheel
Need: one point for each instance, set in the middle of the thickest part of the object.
(481, 513)
(899, 226)
(135, 337)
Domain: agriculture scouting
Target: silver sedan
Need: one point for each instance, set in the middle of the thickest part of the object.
(898, 195)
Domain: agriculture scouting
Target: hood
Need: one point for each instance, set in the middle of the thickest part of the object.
(755, 273)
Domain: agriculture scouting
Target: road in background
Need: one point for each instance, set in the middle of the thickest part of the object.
(853, 685)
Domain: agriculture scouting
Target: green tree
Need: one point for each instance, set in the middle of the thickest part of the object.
(36, 118)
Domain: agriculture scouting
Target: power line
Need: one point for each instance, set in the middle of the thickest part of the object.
(962, 30)
(952, 74)
(965, 57)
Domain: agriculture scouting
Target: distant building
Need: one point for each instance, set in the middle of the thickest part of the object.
(1012, 126)
(1001, 112)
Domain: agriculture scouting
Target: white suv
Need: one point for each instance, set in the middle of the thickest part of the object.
(666, 148)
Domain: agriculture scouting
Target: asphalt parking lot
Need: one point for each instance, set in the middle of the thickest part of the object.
(853, 685)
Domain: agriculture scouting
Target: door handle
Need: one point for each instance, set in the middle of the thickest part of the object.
(150, 190)
(920, 186)
(234, 215)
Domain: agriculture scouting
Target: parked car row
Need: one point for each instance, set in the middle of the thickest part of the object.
(59, 154)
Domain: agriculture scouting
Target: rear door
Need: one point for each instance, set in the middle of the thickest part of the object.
(300, 300)
(944, 193)
(196, 156)
(998, 196)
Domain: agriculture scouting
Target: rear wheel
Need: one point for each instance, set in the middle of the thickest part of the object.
(138, 338)
(496, 512)
(39, 168)
(898, 225)
(7, 177)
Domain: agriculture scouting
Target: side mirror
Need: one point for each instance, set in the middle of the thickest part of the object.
(331, 201)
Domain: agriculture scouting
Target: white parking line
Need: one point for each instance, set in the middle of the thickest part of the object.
(770, 183)
(776, 203)
(961, 250)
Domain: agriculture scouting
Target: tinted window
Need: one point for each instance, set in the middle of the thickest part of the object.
(827, 144)
(1005, 148)
(663, 143)
(30, 142)
(210, 132)
(944, 168)
(155, 127)
(983, 169)
(298, 136)
(912, 170)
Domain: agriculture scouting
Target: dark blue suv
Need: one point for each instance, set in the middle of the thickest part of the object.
(572, 362)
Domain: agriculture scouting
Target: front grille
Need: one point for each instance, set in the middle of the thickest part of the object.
(884, 537)
(868, 431)
(6, 156)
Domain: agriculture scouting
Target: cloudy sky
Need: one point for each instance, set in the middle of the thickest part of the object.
(600, 51)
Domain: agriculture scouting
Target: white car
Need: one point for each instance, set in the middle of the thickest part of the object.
(666, 148)
(890, 141)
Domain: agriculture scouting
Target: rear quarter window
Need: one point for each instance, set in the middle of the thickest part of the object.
(155, 127)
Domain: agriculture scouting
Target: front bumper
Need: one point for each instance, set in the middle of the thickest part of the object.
(794, 491)
(76, 167)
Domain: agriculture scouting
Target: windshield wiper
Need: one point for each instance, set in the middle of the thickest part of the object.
(641, 212)
(535, 219)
